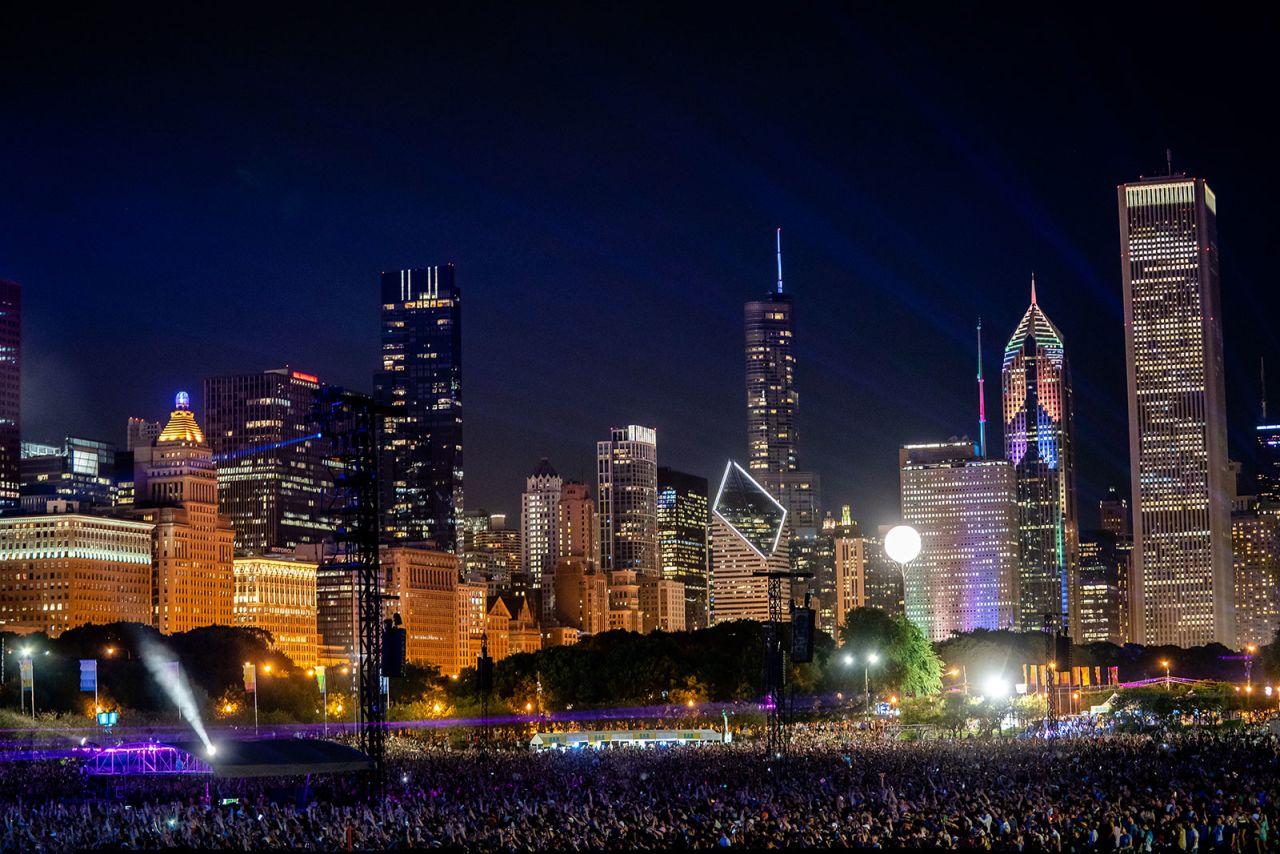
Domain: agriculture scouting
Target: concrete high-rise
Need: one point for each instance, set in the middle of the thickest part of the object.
(1181, 588)
(273, 483)
(176, 490)
(421, 378)
(10, 392)
(1255, 538)
(538, 532)
(78, 470)
(1038, 441)
(683, 517)
(277, 593)
(63, 570)
(627, 500)
(965, 508)
(1103, 578)
(581, 587)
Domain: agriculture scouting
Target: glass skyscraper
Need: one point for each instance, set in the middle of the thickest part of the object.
(1181, 587)
(627, 500)
(421, 378)
(273, 483)
(683, 516)
(1036, 381)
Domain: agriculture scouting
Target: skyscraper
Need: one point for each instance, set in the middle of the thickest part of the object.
(627, 500)
(965, 508)
(538, 532)
(581, 587)
(421, 377)
(682, 539)
(1036, 380)
(10, 392)
(1255, 538)
(79, 470)
(748, 526)
(176, 489)
(1104, 568)
(1181, 588)
(272, 480)
(772, 402)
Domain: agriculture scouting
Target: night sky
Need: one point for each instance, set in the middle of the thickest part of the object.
(183, 198)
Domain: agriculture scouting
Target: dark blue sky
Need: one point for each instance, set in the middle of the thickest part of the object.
(182, 198)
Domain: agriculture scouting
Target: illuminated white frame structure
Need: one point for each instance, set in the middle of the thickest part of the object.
(715, 509)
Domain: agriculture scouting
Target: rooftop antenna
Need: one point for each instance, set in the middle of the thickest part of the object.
(1033, 287)
(1168, 156)
(982, 400)
(779, 259)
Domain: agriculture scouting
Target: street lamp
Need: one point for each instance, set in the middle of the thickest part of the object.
(872, 658)
(1165, 664)
(962, 670)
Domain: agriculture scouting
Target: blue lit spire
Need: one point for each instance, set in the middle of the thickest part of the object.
(779, 259)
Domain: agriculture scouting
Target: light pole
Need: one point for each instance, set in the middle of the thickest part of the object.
(872, 658)
(1167, 680)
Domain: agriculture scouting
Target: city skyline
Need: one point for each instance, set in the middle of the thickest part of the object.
(855, 281)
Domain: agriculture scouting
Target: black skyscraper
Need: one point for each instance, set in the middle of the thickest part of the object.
(421, 376)
(10, 391)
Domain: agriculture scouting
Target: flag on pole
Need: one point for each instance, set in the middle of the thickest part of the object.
(24, 670)
(89, 675)
(386, 685)
(320, 678)
(250, 678)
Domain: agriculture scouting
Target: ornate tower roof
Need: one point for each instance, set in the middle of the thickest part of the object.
(182, 426)
(1035, 324)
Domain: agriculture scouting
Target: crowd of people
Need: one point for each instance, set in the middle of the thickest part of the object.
(1190, 791)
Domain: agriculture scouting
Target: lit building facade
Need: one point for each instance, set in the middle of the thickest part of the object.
(273, 483)
(965, 509)
(10, 392)
(63, 570)
(748, 530)
(426, 582)
(627, 500)
(1038, 441)
(683, 518)
(1255, 537)
(1181, 588)
(1104, 569)
(849, 568)
(176, 490)
(662, 605)
(1268, 437)
(78, 470)
(277, 593)
(538, 532)
(421, 378)
(884, 581)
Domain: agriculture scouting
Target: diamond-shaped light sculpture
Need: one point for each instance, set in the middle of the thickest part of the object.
(747, 508)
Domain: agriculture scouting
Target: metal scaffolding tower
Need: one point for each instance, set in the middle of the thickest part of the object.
(350, 423)
(775, 662)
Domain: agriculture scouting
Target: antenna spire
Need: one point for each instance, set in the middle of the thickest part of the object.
(982, 399)
(1033, 293)
(1168, 157)
(779, 259)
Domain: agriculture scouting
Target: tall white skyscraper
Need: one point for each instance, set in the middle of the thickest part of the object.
(965, 508)
(1181, 588)
(538, 531)
(627, 500)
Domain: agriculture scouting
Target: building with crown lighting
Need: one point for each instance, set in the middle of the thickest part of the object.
(277, 593)
(538, 533)
(965, 508)
(421, 470)
(1182, 583)
(1038, 441)
(176, 491)
(63, 570)
(10, 392)
(748, 531)
(683, 519)
(627, 500)
(273, 483)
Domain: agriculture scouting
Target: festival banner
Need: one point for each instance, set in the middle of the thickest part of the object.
(320, 678)
(89, 675)
(250, 678)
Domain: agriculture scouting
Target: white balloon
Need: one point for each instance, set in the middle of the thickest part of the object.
(902, 543)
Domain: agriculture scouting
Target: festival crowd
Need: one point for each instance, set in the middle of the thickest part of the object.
(1194, 792)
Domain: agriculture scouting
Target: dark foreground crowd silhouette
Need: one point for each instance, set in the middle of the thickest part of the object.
(1180, 792)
